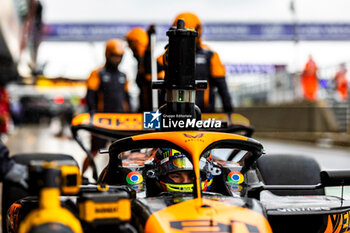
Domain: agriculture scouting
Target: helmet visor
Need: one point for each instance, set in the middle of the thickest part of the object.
(176, 164)
(181, 164)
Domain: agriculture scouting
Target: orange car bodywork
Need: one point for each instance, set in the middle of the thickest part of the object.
(211, 216)
(200, 214)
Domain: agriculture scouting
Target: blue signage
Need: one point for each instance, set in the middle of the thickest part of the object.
(211, 31)
(269, 69)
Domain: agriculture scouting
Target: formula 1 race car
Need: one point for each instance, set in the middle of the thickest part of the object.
(243, 196)
(232, 186)
(280, 188)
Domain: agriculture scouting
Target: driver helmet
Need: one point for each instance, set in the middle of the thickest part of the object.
(169, 160)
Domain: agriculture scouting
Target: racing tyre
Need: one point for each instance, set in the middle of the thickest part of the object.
(11, 192)
(284, 169)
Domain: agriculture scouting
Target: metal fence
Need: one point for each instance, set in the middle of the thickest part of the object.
(249, 87)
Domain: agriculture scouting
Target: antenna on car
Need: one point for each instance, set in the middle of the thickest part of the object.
(342, 196)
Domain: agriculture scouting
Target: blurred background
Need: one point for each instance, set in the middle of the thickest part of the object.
(49, 47)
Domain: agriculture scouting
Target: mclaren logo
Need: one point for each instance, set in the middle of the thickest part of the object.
(212, 226)
(195, 136)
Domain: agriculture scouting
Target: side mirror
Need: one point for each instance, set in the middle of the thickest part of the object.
(335, 178)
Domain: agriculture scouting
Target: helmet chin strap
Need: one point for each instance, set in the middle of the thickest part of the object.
(177, 187)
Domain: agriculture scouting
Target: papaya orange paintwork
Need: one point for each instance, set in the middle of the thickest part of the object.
(215, 216)
(238, 119)
(216, 116)
(189, 140)
(128, 121)
(81, 119)
(115, 121)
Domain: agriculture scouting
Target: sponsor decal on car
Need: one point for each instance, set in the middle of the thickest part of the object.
(235, 177)
(134, 178)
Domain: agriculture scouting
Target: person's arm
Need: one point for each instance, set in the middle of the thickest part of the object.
(93, 84)
(10, 170)
(217, 72)
(5, 162)
(126, 101)
(220, 83)
(161, 67)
